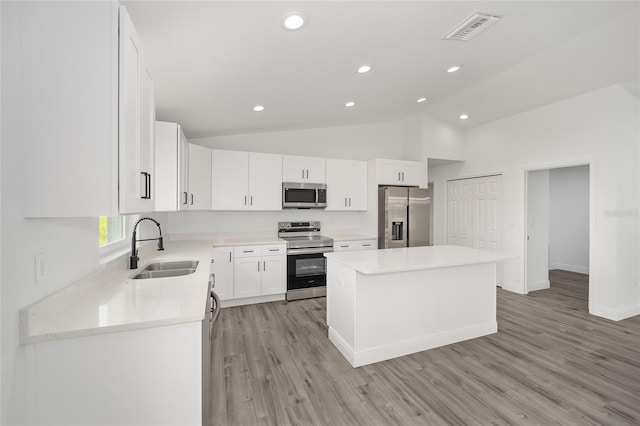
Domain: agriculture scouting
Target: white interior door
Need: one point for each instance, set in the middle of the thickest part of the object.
(487, 210)
(459, 213)
(474, 213)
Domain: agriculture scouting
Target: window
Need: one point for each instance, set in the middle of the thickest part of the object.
(110, 230)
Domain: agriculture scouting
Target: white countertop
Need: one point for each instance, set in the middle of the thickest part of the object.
(414, 258)
(108, 300)
(220, 240)
(348, 236)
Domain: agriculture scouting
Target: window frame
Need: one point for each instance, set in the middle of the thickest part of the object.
(116, 248)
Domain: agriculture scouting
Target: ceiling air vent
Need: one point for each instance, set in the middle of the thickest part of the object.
(472, 26)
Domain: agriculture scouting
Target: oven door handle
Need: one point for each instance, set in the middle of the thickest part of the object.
(316, 250)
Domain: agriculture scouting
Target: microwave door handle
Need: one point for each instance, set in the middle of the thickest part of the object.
(316, 195)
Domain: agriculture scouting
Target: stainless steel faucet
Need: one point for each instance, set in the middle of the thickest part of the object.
(133, 259)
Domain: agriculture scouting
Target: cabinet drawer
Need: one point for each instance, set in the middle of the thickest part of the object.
(343, 245)
(247, 251)
(274, 250)
(367, 245)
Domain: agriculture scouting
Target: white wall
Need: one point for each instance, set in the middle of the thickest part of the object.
(537, 230)
(569, 219)
(600, 128)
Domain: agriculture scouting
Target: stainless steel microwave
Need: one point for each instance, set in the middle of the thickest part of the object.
(296, 195)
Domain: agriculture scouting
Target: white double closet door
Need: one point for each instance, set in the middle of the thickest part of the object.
(474, 211)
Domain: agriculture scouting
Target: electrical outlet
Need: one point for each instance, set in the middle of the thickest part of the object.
(40, 264)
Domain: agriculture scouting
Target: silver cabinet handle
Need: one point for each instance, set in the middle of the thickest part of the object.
(366, 245)
(244, 251)
(307, 173)
(403, 176)
(345, 246)
(185, 198)
(229, 257)
(245, 200)
(349, 201)
(191, 199)
(264, 266)
(274, 249)
(258, 266)
(345, 201)
(251, 198)
(302, 173)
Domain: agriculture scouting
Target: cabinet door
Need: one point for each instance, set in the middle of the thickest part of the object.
(199, 177)
(222, 267)
(293, 169)
(136, 124)
(274, 275)
(183, 170)
(315, 170)
(247, 273)
(357, 185)
(412, 174)
(229, 180)
(337, 192)
(166, 193)
(265, 181)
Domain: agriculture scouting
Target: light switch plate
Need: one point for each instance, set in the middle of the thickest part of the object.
(40, 267)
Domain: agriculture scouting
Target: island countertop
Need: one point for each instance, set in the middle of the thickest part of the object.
(414, 258)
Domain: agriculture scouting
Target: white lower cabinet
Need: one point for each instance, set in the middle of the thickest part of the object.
(248, 277)
(222, 269)
(353, 245)
(249, 271)
(148, 376)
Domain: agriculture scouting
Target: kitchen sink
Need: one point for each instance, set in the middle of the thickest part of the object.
(167, 269)
(174, 264)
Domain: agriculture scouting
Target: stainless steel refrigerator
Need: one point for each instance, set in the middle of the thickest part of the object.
(404, 217)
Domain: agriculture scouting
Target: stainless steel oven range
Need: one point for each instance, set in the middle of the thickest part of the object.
(306, 264)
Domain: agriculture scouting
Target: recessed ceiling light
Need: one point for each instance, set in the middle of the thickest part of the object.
(464, 117)
(364, 69)
(258, 108)
(293, 21)
(349, 104)
(454, 68)
(420, 100)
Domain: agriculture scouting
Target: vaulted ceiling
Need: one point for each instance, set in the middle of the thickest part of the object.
(213, 61)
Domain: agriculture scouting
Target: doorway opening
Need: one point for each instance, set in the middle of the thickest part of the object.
(557, 231)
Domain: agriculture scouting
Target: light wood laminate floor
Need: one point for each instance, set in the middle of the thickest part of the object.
(550, 363)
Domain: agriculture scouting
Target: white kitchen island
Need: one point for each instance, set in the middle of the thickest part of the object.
(382, 304)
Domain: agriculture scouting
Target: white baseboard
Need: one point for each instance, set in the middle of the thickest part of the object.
(615, 314)
(538, 285)
(513, 287)
(251, 300)
(369, 356)
(570, 268)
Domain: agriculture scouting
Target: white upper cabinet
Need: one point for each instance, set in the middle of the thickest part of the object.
(87, 122)
(229, 180)
(246, 181)
(346, 185)
(265, 181)
(69, 108)
(136, 118)
(172, 167)
(401, 173)
(199, 177)
(303, 169)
